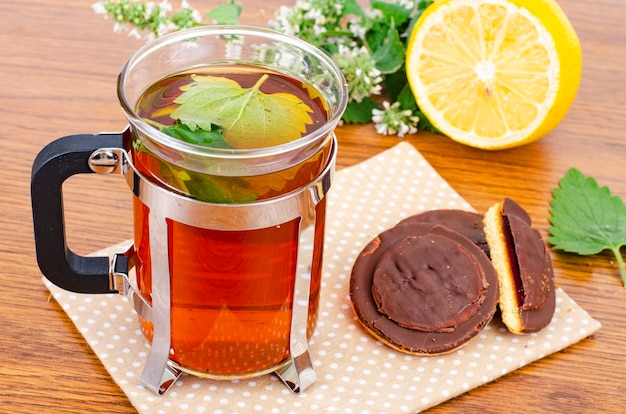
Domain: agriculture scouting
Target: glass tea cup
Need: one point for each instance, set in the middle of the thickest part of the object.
(225, 267)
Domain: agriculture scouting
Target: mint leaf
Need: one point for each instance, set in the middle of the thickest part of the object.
(218, 189)
(352, 7)
(211, 138)
(227, 13)
(375, 35)
(424, 124)
(390, 55)
(392, 11)
(407, 99)
(359, 112)
(249, 118)
(586, 218)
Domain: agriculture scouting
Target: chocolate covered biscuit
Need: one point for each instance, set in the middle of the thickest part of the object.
(524, 268)
(423, 289)
(467, 223)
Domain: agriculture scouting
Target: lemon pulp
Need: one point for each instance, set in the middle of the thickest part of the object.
(494, 73)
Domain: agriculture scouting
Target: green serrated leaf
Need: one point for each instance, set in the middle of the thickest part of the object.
(392, 11)
(406, 98)
(359, 112)
(376, 34)
(586, 218)
(227, 13)
(212, 138)
(424, 124)
(219, 189)
(249, 118)
(352, 7)
(395, 83)
(390, 55)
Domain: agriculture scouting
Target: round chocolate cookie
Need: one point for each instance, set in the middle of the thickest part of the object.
(437, 292)
(467, 223)
(447, 308)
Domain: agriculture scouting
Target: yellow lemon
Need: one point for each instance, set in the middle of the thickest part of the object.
(494, 74)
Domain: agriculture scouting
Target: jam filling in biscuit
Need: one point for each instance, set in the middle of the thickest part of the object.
(531, 268)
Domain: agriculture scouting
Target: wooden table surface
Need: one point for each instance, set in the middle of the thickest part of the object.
(59, 62)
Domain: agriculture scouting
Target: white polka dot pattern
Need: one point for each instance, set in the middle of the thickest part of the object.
(356, 373)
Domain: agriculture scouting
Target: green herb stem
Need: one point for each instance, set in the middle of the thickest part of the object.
(261, 81)
(336, 33)
(154, 123)
(620, 262)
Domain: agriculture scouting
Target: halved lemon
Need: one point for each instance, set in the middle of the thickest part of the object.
(494, 74)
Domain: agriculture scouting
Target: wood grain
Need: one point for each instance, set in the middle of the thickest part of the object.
(59, 63)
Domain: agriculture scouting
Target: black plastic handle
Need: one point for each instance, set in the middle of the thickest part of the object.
(58, 161)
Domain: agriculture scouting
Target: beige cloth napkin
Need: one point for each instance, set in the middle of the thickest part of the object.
(355, 372)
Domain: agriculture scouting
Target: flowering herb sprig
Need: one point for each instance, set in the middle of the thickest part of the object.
(369, 46)
(147, 20)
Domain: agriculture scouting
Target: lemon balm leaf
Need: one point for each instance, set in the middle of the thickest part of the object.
(392, 11)
(248, 117)
(227, 13)
(359, 112)
(586, 218)
(390, 55)
(199, 97)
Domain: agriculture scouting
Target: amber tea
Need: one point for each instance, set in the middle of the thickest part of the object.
(231, 291)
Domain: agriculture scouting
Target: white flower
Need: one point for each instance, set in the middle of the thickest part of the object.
(196, 15)
(135, 33)
(392, 120)
(165, 7)
(118, 28)
(318, 30)
(304, 4)
(360, 71)
(373, 14)
(165, 28)
(286, 20)
(314, 14)
(407, 4)
(357, 30)
(98, 8)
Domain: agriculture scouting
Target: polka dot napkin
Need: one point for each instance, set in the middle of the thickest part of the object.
(356, 373)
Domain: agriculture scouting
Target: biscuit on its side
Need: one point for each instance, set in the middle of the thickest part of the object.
(524, 268)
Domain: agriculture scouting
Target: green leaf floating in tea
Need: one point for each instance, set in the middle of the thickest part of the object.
(248, 117)
(211, 138)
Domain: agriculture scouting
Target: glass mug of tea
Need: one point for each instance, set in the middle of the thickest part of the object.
(229, 154)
